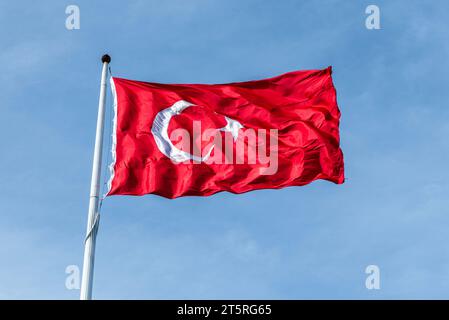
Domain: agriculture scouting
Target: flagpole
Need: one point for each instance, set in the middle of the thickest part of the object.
(93, 215)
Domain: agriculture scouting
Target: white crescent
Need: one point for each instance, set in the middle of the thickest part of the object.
(159, 130)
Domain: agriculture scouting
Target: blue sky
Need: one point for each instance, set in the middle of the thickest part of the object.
(297, 243)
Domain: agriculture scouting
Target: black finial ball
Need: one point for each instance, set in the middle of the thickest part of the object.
(106, 58)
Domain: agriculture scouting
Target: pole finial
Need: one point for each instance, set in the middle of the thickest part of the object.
(106, 58)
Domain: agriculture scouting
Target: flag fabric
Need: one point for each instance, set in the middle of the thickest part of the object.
(197, 139)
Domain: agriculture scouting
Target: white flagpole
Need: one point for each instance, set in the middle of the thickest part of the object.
(93, 216)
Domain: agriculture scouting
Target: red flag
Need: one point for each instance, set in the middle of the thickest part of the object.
(195, 139)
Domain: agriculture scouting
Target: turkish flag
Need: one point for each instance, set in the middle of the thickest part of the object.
(197, 139)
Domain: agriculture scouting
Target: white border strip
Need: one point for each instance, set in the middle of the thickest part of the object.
(114, 137)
